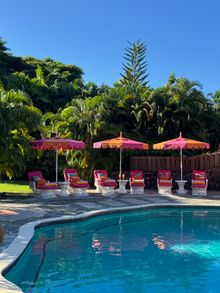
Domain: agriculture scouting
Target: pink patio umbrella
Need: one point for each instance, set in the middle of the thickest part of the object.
(181, 143)
(57, 143)
(121, 143)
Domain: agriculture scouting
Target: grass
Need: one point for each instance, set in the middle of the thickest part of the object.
(14, 187)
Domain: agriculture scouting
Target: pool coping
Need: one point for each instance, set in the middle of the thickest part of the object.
(26, 232)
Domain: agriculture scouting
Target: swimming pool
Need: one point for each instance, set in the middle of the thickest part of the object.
(157, 250)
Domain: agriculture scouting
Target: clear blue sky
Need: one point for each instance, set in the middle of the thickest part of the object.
(183, 36)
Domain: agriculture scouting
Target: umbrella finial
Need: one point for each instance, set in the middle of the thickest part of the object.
(180, 135)
(121, 135)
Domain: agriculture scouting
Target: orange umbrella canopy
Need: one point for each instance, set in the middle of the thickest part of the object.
(181, 143)
(121, 143)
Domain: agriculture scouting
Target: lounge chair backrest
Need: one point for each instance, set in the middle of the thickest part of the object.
(136, 174)
(199, 175)
(100, 173)
(68, 173)
(164, 174)
(34, 174)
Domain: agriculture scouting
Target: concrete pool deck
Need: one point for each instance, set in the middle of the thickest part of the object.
(17, 211)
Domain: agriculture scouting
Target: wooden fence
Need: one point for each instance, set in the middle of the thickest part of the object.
(209, 162)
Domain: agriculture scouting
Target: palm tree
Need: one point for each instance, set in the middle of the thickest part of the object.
(184, 109)
(82, 120)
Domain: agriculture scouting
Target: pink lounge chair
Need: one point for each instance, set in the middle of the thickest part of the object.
(164, 181)
(74, 183)
(39, 184)
(103, 183)
(137, 181)
(199, 182)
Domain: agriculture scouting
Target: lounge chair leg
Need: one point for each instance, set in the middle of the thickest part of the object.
(106, 190)
(137, 189)
(77, 191)
(164, 190)
(199, 192)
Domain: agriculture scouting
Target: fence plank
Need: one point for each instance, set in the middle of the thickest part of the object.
(152, 164)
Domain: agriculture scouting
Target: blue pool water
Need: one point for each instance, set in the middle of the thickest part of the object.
(169, 250)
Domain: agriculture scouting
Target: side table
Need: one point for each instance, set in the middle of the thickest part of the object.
(181, 184)
(63, 187)
(122, 183)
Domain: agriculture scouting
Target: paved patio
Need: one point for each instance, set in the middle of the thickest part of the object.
(16, 211)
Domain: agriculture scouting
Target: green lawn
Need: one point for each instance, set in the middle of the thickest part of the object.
(14, 187)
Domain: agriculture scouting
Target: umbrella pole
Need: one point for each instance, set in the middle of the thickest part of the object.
(181, 163)
(120, 163)
(56, 165)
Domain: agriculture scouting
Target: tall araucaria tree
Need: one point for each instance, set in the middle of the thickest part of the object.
(135, 68)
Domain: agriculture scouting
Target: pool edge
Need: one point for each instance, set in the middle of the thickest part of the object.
(26, 232)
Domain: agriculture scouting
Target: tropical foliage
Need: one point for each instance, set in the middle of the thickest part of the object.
(41, 98)
(18, 120)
